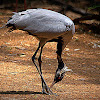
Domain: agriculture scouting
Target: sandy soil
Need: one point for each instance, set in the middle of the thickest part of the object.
(19, 79)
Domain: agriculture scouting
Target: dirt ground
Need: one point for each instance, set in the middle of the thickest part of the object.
(19, 79)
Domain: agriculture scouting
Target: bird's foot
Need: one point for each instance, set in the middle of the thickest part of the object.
(48, 91)
(44, 92)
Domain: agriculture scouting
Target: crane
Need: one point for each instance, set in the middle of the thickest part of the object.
(46, 26)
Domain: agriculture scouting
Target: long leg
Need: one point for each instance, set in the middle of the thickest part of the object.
(45, 88)
(44, 85)
(33, 57)
(40, 61)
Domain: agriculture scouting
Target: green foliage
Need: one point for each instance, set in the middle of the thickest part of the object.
(94, 7)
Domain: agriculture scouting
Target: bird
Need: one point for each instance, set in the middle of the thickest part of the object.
(46, 26)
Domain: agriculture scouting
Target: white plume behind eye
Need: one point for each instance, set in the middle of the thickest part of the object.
(65, 69)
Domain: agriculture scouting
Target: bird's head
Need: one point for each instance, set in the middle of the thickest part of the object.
(60, 74)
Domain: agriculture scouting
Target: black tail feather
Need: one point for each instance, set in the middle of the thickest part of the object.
(11, 25)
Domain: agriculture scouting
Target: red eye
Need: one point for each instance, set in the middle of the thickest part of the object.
(59, 78)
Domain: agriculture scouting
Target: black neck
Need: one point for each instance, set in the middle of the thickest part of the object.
(59, 52)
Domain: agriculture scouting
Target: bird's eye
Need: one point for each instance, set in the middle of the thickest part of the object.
(59, 78)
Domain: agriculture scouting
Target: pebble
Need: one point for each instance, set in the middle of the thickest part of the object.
(66, 49)
(81, 79)
(76, 49)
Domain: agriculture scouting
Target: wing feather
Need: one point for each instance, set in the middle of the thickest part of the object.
(41, 20)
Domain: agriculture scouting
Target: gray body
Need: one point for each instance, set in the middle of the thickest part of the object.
(44, 24)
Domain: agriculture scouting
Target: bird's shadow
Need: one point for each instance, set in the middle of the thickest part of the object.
(20, 92)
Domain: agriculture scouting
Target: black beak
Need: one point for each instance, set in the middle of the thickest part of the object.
(52, 84)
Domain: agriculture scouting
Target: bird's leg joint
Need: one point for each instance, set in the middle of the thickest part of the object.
(33, 59)
(40, 61)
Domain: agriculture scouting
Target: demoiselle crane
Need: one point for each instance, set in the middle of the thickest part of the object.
(46, 26)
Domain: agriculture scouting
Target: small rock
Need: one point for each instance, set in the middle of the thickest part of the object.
(76, 49)
(27, 45)
(7, 43)
(21, 55)
(66, 49)
(82, 79)
(19, 47)
(11, 54)
(94, 66)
